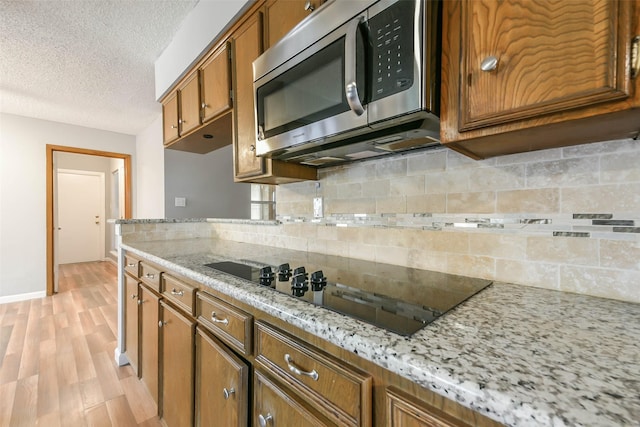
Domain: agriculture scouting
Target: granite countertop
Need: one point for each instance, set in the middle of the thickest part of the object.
(520, 355)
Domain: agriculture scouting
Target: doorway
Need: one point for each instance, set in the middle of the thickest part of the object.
(80, 216)
(125, 178)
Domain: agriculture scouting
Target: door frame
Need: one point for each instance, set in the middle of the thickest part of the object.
(50, 178)
(103, 209)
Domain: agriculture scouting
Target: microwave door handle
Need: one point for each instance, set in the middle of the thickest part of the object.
(350, 84)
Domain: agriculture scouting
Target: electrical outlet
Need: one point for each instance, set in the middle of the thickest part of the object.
(181, 202)
(317, 207)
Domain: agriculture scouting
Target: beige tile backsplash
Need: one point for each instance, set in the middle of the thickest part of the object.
(446, 188)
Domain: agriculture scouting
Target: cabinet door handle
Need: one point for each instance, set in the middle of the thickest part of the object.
(489, 63)
(262, 420)
(309, 7)
(214, 319)
(133, 296)
(293, 368)
(150, 276)
(227, 392)
(140, 302)
(252, 148)
(174, 127)
(131, 265)
(161, 324)
(177, 293)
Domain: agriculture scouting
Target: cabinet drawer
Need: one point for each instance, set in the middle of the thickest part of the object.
(180, 293)
(231, 325)
(342, 393)
(150, 276)
(132, 265)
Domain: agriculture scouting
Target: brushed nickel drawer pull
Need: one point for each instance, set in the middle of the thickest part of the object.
(216, 320)
(262, 420)
(177, 293)
(150, 276)
(228, 392)
(293, 368)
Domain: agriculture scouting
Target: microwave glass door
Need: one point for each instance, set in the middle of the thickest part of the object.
(309, 92)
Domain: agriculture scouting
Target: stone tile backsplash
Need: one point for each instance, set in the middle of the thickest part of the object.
(566, 218)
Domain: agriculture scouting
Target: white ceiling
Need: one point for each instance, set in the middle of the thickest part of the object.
(85, 62)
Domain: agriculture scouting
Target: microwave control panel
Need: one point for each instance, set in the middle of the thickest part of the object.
(392, 35)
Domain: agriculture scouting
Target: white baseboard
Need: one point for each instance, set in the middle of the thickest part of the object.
(22, 297)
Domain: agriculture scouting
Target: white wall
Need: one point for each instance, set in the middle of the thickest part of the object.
(23, 143)
(149, 168)
(206, 21)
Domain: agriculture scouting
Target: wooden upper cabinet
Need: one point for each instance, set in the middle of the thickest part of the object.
(247, 46)
(215, 81)
(283, 15)
(189, 98)
(516, 65)
(170, 118)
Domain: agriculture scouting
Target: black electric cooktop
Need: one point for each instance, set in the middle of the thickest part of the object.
(399, 299)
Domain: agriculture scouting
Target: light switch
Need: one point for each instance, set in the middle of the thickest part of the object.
(181, 202)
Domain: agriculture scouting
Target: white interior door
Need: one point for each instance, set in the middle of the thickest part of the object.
(80, 216)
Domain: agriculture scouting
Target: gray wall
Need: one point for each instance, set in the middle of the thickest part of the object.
(206, 181)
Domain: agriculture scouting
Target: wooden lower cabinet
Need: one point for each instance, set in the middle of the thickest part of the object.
(149, 317)
(176, 366)
(233, 365)
(275, 407)
(131, 320)
(222, 384)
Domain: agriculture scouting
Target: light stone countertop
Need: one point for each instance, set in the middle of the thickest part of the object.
(520, 355)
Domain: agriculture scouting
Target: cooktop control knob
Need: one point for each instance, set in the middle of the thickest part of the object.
(266, 276)
(299, 284)
(284, 272)
(318, 281)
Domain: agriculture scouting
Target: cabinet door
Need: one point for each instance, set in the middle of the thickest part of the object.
(222, 384)
(177, 367)
(247, 46)
(215, 78)
(189, 105)
(283, 15)
(545, 61)
(519, 75)
(149, 317)
(170, 118)
(131, 321)
(273, 406)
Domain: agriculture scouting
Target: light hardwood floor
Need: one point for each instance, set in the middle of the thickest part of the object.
(57, 357)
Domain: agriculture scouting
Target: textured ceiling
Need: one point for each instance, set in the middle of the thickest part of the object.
(85, 62)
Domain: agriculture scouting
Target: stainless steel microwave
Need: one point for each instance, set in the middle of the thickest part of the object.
(356, 79)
